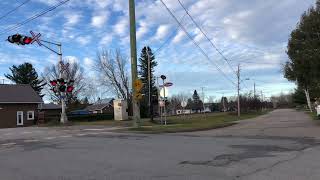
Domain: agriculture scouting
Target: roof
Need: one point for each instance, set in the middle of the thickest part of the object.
(18, 93)
(105, 101)
(50, 106)
(97, 107)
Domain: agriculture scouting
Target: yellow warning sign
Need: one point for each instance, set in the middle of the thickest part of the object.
(138, 85)
(138, 96)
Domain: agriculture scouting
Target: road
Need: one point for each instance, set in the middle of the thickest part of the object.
(283, 144)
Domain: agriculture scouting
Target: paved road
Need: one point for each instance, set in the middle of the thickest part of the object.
(283, 144)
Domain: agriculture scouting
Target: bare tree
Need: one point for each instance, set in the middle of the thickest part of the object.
(112, 67)
(175, 102)
(74, 72)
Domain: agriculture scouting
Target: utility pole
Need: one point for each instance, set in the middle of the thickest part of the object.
(63, 118)
(149, 86)
(254, 89)
(133, 50)
(202, 92)
(238, 76)
(223, 104)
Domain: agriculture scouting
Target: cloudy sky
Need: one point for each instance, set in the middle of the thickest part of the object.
(253, 33)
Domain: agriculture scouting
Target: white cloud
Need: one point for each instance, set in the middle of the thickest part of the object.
(84, 40)
(179, 36)
(105, 40)
(142, 30)
(72, 18)
(121, 28)
(162, 31)
(71, 59)
(99, 21)
(88, 62)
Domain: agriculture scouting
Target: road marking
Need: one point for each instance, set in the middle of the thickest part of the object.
(106, 132)
(8, 144)
(94, 133)
(31, 140)
(26, 132)
(82, 134)
(68, 136)
(94, 129)
(49, 138)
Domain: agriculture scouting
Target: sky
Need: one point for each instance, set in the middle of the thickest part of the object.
(252, 33)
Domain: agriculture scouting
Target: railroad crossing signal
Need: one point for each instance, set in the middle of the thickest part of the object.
(35, 37)
(20, 39)
(60, 85)
(23, 40)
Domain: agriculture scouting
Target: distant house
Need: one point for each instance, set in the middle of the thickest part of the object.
(18, 105)
(101, 106)
(183, 111)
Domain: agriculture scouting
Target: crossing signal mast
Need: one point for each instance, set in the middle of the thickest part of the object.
(59, 86)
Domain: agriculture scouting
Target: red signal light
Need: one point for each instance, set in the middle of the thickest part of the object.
(70, 89)
(53, 83)
(27, 40)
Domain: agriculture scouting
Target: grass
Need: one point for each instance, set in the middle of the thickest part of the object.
(195, 122)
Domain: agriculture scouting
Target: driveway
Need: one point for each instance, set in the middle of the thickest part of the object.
(282, 145)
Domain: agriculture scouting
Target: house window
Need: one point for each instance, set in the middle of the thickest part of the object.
(30, 115)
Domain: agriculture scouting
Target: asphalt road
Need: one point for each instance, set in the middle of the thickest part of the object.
(283, 144)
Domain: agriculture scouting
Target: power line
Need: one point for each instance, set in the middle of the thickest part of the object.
(195, 43)
(212, 44)
(167, 40)
(14, 9)
(33, 17)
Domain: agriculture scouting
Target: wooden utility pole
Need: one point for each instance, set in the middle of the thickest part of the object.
(149, 87)
(238, 88)
(133, 50)
(254, 90)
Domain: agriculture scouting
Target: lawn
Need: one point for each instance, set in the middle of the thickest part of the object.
(195, 122)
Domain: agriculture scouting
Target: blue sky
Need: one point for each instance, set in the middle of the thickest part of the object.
(253, 33)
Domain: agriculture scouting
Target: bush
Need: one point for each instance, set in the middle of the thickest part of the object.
(90, 117)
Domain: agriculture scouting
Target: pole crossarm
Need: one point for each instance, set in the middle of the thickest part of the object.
(47, 47)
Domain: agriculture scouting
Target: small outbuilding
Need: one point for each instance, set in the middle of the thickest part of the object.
(18, 105)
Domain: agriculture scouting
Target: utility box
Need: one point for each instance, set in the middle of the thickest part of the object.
(120, 110)
(318, 110)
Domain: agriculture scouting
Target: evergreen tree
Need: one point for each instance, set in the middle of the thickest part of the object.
(26, 74)
(195, 97)
(303, 51)
(197, 103)
(146, 54)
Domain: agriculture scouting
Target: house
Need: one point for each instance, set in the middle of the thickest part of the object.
(18, 105)
(183, 111)
(50, 111)
(103, 106)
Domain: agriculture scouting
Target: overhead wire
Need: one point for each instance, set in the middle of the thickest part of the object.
(18, 25)
(206, 36)
(195, 43)
(167, 40)
(14, 9)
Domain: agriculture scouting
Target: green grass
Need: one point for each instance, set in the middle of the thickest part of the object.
(195, 122)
